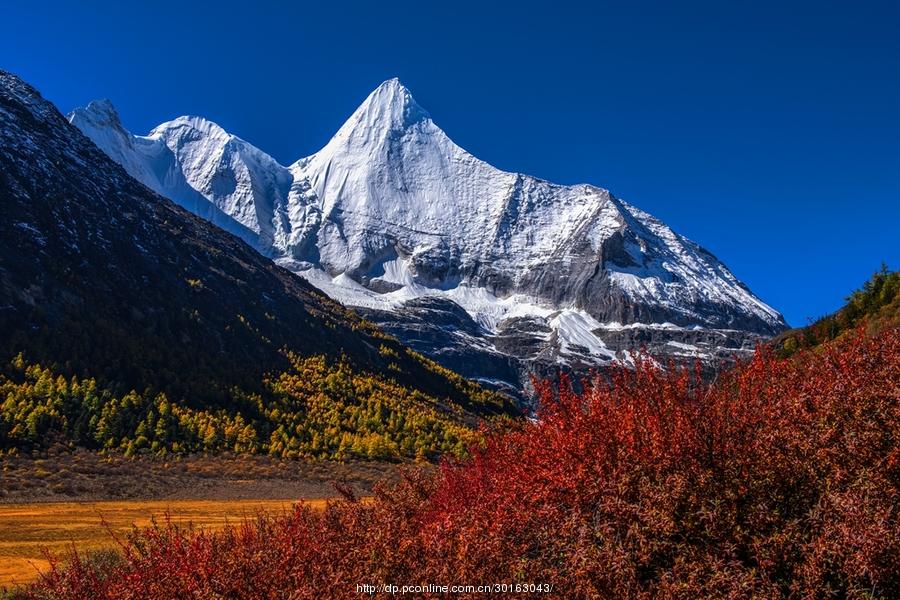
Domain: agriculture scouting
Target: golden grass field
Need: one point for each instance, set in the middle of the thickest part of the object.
(27, 529)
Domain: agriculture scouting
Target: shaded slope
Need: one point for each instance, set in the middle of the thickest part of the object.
(103, 278)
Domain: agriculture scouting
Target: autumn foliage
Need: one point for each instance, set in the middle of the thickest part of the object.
(780, 479)
(316, 409)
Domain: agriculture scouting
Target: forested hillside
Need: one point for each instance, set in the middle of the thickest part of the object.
(876, 304)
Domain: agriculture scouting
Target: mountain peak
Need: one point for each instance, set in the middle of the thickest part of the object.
(100, 121)
(97, 112)
(191, 123)
(390, 105)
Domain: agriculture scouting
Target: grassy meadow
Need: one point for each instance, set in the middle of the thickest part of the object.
(26, 530)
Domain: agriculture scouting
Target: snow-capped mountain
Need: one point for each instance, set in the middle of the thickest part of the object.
(202, 167)
(393, 217)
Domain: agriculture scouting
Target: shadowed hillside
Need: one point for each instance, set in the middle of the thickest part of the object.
(160, 315)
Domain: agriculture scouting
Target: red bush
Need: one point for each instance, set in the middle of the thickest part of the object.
(780, 479)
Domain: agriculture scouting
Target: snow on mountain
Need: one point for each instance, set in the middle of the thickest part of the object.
(399, 206)
(392, 210)
(202, 167)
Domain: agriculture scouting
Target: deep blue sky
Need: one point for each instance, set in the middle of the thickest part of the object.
(769, 132)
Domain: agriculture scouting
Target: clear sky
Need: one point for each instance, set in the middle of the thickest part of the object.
(767, 132)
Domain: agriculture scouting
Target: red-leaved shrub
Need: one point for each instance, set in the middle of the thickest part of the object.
(780, 479)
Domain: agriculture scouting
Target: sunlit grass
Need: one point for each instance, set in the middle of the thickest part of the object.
(26, 530)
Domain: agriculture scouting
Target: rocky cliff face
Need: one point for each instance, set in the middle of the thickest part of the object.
(487, 271)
